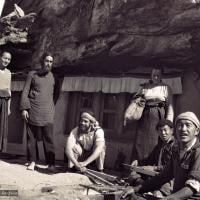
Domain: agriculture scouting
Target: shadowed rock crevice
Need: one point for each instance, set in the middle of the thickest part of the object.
(99, 32)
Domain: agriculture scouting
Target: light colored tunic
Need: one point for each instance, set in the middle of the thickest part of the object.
(5, 80)
(5, 83)
(162, 93)
(87, 141)
(80, 143)
(158, 106)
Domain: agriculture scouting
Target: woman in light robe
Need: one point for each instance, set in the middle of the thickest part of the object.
(158, 106)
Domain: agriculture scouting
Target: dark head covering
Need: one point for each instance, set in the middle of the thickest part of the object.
(164, 122)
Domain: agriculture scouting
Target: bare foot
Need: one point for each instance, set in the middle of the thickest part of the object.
(31, 166)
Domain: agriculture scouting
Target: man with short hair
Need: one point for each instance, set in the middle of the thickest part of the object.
(184, 166)
(159, 157)
(161, 154)
(86, 138)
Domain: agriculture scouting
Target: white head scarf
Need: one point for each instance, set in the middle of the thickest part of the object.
(94, 122)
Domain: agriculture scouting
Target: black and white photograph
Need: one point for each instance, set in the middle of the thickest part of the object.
(99, 99)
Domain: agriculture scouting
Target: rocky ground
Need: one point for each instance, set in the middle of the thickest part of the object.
(39, 184)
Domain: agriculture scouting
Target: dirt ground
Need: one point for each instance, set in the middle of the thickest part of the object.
(19, 183)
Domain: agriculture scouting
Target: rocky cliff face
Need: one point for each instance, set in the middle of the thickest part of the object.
(107, 35)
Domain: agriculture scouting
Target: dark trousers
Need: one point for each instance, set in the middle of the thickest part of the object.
(46, 133)
(3, 123)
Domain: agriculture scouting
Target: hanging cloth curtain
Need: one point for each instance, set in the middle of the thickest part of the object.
(113, 84)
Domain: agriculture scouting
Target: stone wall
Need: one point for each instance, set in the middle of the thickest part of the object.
(116, 33)
(190, 99)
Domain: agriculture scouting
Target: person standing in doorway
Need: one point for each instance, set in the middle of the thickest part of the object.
(38, 108)
(158, 106)
(5, 97)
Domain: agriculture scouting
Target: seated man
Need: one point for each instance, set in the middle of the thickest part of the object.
(161, 154)
(184, 165)
(87, 138)
(159, 157)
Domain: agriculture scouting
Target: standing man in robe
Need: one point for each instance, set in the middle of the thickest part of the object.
(37, 106)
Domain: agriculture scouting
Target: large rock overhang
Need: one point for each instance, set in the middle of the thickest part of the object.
(114, 36)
